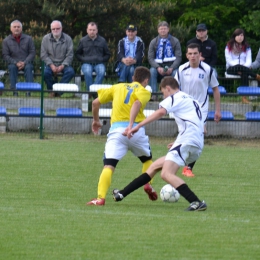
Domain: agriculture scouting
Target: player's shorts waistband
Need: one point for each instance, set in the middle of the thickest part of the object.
(120, 124)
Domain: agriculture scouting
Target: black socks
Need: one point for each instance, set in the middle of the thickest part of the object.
(135, 184)
(185, 192)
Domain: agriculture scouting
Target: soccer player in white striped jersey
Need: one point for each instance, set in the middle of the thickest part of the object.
(194, 78)
(186, 148)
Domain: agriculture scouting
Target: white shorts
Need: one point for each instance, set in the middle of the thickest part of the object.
(117, 144)
(183, 154)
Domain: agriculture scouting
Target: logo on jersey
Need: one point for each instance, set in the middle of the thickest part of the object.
(201, 76)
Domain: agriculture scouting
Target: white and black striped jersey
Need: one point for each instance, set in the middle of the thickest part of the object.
(187, 113)
(195, 81)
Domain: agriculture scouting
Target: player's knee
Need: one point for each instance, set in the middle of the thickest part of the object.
(163, 175)
(112, 162)
(144, 159)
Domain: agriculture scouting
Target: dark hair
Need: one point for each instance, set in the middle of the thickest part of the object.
(169, 81)
(232, 40)
(141, 73)
(92, 24)
(193, 46)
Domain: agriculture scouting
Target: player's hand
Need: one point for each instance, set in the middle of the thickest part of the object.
(96, 125)
(217, 117)
(132, 131)
(126, 131)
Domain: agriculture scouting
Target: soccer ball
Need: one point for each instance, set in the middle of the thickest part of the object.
(169, 194)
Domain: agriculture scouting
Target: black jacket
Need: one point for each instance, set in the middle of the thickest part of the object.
(93, 51)
(208, 49)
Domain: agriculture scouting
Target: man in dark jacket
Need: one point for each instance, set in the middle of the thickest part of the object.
(93, 53)
(130, 53)
(208, 47)
(18, 51)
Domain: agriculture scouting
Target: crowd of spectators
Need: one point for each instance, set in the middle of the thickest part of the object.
(164, 55)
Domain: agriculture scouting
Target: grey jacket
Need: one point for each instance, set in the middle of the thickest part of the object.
(13, 51)
(57, 52)
(176, 48)
(93, 51)
(256, 63)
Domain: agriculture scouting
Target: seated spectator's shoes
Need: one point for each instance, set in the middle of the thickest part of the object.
(58, 94)
(197, 206)
(187, 172)
(97, 202)
(148, 188)
(116, 195)
(15, 94)
(28, 94)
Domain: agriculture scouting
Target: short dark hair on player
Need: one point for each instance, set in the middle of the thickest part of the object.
(169, 81)
(141, 73)
(193, 46)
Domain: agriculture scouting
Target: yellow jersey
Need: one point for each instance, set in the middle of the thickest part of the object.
(123, 96)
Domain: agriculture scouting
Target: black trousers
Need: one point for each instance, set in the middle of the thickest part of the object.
(242, 71)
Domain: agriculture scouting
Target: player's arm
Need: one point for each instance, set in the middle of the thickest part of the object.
(95, 109)
(153, 117)
(133, 114)
(216, 95)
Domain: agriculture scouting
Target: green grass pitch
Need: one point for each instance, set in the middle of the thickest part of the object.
(45, 184)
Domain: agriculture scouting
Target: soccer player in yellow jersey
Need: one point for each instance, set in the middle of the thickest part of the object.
(128, 102)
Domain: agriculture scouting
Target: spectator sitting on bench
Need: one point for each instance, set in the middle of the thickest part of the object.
(239, 59)
(164, 55)
(57, 53)
(208, 47)
(130, 53)
(93, 53)
(18, 51)
(256, 63)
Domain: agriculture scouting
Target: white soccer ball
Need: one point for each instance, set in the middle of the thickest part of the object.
(149, 88)
(169, 194)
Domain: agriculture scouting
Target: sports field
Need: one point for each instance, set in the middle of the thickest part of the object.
(44, 185)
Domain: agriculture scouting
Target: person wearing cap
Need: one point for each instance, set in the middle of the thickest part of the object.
(93, 53)
(164, 55)
(19, 52)
(130, 53)
(208, 47)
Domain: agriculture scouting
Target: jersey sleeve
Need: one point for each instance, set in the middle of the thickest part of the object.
(105, 95)
(142, 95)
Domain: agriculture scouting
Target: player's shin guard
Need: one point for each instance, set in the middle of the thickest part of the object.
(104, 182)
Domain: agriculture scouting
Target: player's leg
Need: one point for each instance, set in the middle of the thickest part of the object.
(174, 159)
(188, 170)
(115, 150)
(139, 181)
(105, 178)
(140, 147)
(148, 188)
